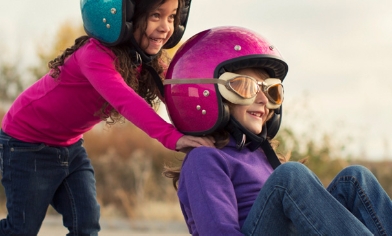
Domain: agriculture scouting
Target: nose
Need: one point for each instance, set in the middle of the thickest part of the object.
(165, 26)
(261, 98)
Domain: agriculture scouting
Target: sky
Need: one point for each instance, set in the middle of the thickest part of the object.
(339, 56)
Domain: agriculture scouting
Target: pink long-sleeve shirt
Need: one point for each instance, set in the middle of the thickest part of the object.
(58, 112)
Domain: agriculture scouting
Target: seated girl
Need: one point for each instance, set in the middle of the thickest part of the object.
(227, 82)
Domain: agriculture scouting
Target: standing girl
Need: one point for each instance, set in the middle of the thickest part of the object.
(112, 73)
(240, 188)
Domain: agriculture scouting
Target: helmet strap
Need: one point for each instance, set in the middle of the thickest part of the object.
(270, 153)
(156, 77)
(144, 56)
(138, 57)
(244, 138)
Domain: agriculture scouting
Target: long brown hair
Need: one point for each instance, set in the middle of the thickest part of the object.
(145, 85)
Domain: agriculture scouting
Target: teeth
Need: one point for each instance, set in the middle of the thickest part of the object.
(156, 40)
(255, 114)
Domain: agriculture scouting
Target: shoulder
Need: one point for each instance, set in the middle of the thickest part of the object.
(204, 152)
(206, 157)
(94, 50)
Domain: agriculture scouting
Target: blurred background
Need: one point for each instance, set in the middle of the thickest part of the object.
(337, 95)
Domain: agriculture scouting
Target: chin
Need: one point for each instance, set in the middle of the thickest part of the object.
(255, 131)
(152, 51)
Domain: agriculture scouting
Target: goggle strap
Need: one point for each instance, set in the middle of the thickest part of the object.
(194, 81)
(205, 81)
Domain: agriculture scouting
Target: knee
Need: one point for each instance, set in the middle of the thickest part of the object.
(358, 172)
(294, 171)
(355, 170)
(292, 168)
(294, 176)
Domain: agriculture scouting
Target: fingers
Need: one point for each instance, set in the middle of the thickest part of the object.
(208, 141)
(188, 141)
(202, 141)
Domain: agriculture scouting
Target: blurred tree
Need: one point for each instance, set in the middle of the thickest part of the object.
(64, 38)
(324, 158)
(10, 83)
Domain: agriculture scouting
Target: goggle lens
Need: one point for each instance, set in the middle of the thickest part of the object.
(274, 93)
(247, 87)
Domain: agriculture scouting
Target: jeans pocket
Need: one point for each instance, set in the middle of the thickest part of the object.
(26, 147)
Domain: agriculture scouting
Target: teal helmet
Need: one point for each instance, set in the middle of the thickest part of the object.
(110, 21)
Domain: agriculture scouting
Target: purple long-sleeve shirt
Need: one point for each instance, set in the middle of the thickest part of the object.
(59, 111)
(217, 188)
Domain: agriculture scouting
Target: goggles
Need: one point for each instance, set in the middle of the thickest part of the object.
(241, 89)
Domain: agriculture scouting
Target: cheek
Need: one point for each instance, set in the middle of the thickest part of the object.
(171, 31)
(136, 34)
(239, 113)
(149, 29)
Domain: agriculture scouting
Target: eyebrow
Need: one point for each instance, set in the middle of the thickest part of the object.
(160, 8)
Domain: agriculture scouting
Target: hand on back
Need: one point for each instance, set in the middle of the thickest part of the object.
(187, 142)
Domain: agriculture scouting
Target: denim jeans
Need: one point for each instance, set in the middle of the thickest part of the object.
(36, 175)
(294, 202)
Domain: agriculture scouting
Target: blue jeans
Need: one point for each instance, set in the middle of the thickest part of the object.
(36, 175)
(294, 202)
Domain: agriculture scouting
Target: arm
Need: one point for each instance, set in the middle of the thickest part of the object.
(101, 73)
(207, 195)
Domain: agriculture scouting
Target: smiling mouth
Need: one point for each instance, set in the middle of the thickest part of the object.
(157, 40)
(257, 114)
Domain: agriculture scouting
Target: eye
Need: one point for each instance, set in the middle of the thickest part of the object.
(155, 15)
(171, 18)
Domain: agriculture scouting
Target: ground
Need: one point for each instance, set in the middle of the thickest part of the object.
(52, 226)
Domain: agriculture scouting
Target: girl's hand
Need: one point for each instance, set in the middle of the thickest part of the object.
(187, 142)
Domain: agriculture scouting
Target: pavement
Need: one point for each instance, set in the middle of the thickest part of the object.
(52, 226)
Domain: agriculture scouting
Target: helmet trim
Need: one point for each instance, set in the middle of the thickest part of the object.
(275, 67)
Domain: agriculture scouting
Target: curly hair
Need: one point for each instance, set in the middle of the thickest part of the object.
(145, 85)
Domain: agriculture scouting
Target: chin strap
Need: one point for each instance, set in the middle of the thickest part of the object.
(156, 77)
(270, 153)
(144, 60)
(244, 138)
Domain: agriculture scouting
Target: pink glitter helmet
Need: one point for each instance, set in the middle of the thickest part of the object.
(197, 108)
